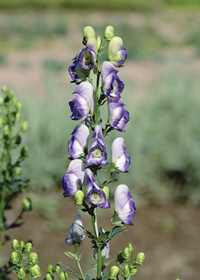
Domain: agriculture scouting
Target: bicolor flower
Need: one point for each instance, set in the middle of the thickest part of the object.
(79, 141)
(117, 54)
(76, 233)
(104, 252)
(124, 204)
(119, 157)
(87, 56)
(118, 116)
(111, 84)
(74, 177)
(77, 73)
(97, 153)
(88, 32)
(95, 196)
(82, 102)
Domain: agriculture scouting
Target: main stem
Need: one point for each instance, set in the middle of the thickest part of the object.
(99, 261)
(78, 262)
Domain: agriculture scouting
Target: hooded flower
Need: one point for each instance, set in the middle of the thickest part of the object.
(118, 116)
(97, 153)
(87, 56)
(82, 102)
(79, 141)
(124, 204)
(73, 179)
(76, 234)
(119, 157)
(117, 54)
(95, 196)
(111, 84)
(77, 73)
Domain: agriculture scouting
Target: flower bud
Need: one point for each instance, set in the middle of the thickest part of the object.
(27, 204)
(21, 274)
(126, 254)
(24, 152)
(88, 32)
(57, 268)
(1, 121)
(109, 32)
(4, 89)
(120, 258)
(15, 244)
(28, 247)
(18, 139)
(22, 245)
(79, 197)
(48, 276)
(63, 276)
(17, 170)
(106, 190)
(125, 272)
(117, 54)
(1, 101)
(35, 271)
(50, 268)
(133, 271)
(10, 93)
(114, 272)
(14, 258)
(130, 247)
(18, 106)
(6, 130)
(24, 126)
(140, 258)
(18, 116)
(33, 258)
(14, 100)
(98, 42)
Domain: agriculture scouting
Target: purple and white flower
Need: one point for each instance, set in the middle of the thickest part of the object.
(119, 157)
(124, 204)
(117, 54)
(87, 56)
(118, 116)
(97, 153)
(74, 177)
(79, 141)
(111, 84)
(95, 196)
(77, 73)
(76, 233)
(82, 102)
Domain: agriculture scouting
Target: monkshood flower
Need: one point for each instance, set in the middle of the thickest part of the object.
(76, 234)
(124, 204)
(88, 32)
(87, 56)
(82, 102)
(104, 252)
(111, 84)
(77, 73)
(79, 141)
(95, 196)
(117, 54)
(119, 157)
(74, 177)
(118, 116)
(97, 153)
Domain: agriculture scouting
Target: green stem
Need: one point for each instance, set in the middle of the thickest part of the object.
(112, 223)
(78, 262)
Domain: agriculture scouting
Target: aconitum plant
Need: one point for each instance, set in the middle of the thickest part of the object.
(97, 85)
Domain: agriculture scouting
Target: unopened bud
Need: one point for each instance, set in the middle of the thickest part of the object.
(133, 271)
(50, 268)
(114, 272)
(140, 258)
(10, 93)
(35, 271)
(125, 272)
(17, 170)
(22, 245)
(18, 106)
(28, 247)
(24, 152)
(63, 276)
(1, 101)
(24, 126)
(126, 254)
(57, 268)
(88, 32)
(18, 116)
(14, 258)
(48, 276)
(27, 204)
(33, 258)
(18, 139)
(15, 244)
(130, 247)
(21, 274)
(1, 121)
(98, 42)
(6, 130)
(79, 197)
(4, 89)
(106, 190)
(109, 32)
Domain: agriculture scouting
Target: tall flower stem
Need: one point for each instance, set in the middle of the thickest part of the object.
(78, 261)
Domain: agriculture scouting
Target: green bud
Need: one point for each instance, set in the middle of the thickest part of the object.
(27, 204)
(48, 276)
(1, 101)
(4, 89)
(63, 276)
(120, 258)
(24, 152)
(17, 170)
(18, 116)
(21, 274)
(98, 42)
(130, 247)
(18, 139)
(33, 258)
(6, 130)
(114, 272)
(18, 106)
(106, 190)
(28, 247)
(133, 271)
(24, 126)
(15, 244)
(14, 258)
(125, 272)
(35, 271)
(14, 100)
(57, 268)
(88, 32)
(140, 258)
(10, 93)
(22, 245)
(79, 197)
(50, 268)
(1, 121)
(109, 32)
(126, 254)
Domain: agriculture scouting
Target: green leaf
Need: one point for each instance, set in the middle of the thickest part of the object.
(71, 271)
(71, 255)
(87, 277)
(117, 231)
(108, 262)
(80, 256)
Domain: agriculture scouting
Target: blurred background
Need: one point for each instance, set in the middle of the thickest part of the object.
(38, 40)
